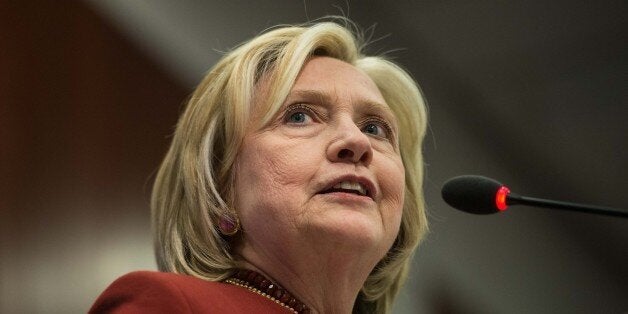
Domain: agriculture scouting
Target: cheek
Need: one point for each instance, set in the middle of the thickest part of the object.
(269, 175)
(393, 188)
(271, 166)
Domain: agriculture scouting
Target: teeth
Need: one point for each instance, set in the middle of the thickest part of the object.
(347, 185)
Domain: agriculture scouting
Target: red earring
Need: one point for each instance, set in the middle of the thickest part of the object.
(229, 226)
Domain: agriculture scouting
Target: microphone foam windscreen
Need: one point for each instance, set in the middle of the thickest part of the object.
(472, 194)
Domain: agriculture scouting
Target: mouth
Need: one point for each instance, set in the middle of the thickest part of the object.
(351, 185)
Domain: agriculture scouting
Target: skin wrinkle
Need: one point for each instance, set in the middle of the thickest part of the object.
(322, 248)
(363, 112)
(318, 246)
(368, 107)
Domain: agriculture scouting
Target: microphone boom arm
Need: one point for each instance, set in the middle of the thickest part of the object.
(513, 199)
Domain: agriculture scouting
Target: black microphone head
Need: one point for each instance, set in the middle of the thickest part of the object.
(475, 194)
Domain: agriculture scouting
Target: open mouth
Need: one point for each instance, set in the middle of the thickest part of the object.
(349, 187)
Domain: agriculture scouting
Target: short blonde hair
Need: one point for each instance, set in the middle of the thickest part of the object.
(194, 185)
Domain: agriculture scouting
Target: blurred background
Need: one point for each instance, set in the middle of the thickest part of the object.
(532, 93)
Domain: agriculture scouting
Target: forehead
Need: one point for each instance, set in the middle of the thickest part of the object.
(339, 79)
(326, 79)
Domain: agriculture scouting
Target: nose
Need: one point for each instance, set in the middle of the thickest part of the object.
(350, 145)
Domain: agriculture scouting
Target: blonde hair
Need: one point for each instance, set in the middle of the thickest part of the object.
(194, 185)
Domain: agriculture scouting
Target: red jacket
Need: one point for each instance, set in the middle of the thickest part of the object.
(155, 292)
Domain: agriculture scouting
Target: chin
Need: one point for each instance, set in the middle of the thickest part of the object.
(354, 230)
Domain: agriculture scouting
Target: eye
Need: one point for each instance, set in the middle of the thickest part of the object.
(299, 114)
(372, 128)
(377, 127)
(298, 117)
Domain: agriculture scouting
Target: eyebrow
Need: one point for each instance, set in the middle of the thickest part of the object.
(367, 106)
(323, 98)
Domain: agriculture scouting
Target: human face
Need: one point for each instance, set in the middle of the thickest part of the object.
(326, 170)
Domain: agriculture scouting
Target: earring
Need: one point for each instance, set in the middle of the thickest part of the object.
(229, 226)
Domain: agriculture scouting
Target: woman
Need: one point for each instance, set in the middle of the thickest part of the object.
(294, 173)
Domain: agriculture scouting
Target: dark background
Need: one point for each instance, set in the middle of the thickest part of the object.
(532, 93)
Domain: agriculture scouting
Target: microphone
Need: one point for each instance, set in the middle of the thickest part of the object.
(481, 195)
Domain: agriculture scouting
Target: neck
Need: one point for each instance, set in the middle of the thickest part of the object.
(326, 280)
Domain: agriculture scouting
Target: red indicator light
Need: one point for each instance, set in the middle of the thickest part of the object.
(500, 198)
